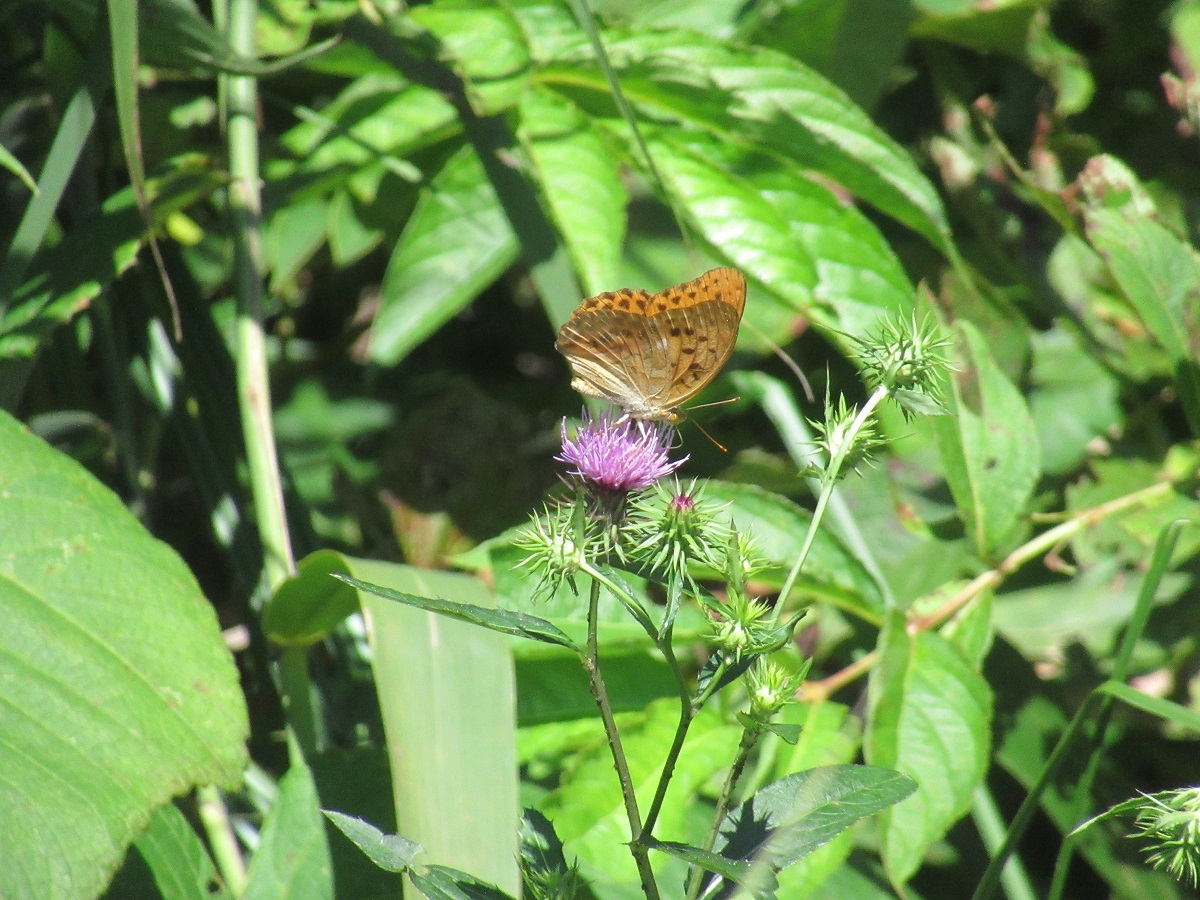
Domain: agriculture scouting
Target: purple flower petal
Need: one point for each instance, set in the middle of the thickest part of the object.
(619, 456)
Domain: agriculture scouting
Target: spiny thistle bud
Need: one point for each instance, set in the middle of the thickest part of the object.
(1170, 822)
(907, 358)
(676, 525)
(739, 627)
(558, 544)
(841, 441)
(771, 687)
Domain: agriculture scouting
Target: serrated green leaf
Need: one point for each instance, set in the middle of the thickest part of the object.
(125, 716)
(443, 883)
(502, 620)
(1000, 27)
(292, 236)
(377, 118)
(456, 243)
(792, 817)
(763, 99)
(821, 257)
(930, 716)
(390, 852)
(1160, 276)
(989, 447)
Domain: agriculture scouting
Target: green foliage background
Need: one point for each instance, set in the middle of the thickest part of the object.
(441, 184)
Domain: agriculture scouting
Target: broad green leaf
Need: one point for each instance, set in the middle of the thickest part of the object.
(456, 243)
(176, 855)
(550, 27)
(1001, 27)
(853, 43)
(292, 856)
(790, 818)
(502, 620)
(1091, 610)
(292, 236)
(350, 237)
(989, 447)
(487, 46)
(310, 604)
(555, 689)
(819, 256)
(1074, 399)
(778, 527)
(828, 736)
(766, 100)
(587, 809)
(930, 716)
(1159, 274)
(377, 118)
(119, 692)
(447, 697)
(581, 182)
(390, 852)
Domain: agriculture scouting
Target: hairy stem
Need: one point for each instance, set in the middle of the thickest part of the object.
(591, 662)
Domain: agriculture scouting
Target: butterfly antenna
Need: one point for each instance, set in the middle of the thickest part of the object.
(724, 402)
(787, 361)
(700, 427)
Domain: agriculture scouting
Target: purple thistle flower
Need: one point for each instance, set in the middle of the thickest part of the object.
(619, 456)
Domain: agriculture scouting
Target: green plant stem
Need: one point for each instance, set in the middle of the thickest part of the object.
(215, 816)
(591, 662)
(827, 485)
(254, 392)
(749, 739)
(253, 382)
(686, 713)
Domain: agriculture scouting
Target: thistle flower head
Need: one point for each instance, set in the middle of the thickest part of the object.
(617, 457)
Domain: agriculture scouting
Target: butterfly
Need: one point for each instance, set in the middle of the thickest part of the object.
(649, 353)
